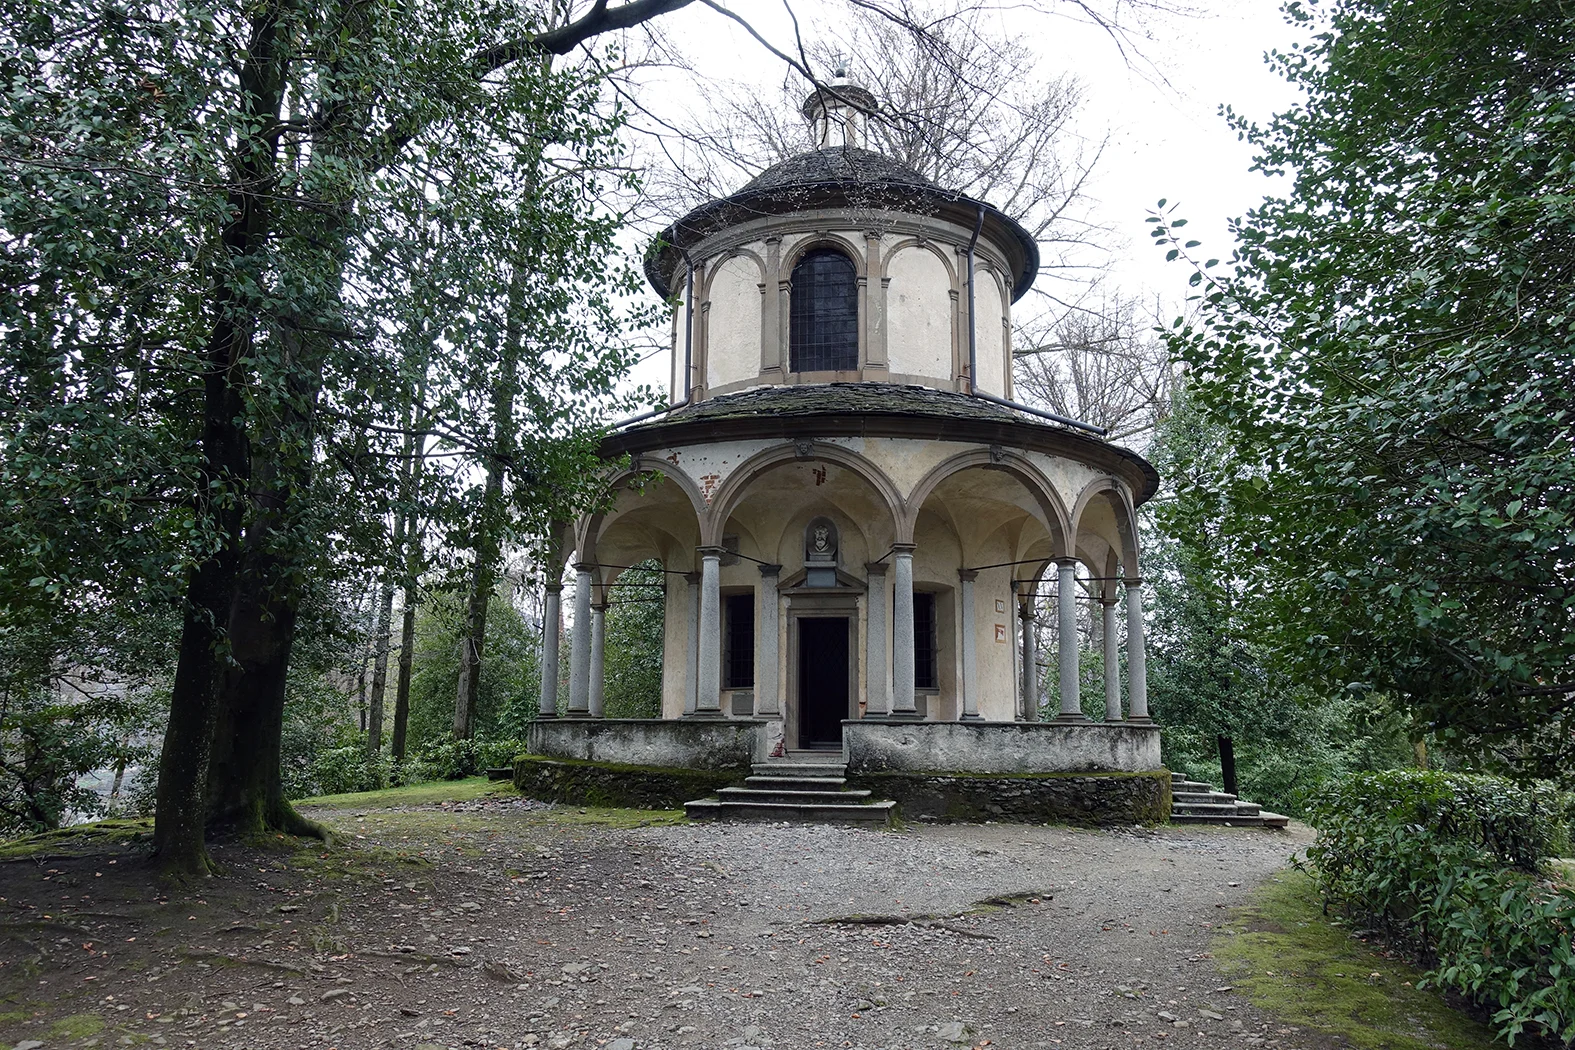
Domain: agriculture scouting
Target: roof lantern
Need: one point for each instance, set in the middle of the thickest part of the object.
(839, 112)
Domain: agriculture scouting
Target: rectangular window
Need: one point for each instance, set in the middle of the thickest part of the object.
(738, 650)
(924, 673)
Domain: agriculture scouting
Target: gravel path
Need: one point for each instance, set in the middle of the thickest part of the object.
(524, 933)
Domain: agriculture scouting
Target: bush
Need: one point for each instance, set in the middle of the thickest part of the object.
(340, 770)
(1455, 865)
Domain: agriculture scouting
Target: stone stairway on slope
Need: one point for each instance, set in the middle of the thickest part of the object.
(1193, 802)
(798, 788)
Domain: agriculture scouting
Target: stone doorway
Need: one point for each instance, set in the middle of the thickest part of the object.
(823, 681)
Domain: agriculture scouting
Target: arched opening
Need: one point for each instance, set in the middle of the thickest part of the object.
(823, 313)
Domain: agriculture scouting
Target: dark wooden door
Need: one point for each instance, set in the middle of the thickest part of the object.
(822, 680)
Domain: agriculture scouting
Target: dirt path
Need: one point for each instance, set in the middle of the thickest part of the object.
(504, 925)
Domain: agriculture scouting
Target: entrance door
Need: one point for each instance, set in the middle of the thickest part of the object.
(822, 681)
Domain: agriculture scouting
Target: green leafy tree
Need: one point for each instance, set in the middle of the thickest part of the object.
(633, 665)
(1389, 357)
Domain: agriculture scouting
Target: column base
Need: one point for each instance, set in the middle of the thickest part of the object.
(1142, 720)
(1077, 719)
(1114, 721)
(971, 718)
(899, 716)
(546, 714)
(704, 714)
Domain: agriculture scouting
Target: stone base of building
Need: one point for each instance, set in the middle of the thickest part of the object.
(1088, 799)
(588, 783)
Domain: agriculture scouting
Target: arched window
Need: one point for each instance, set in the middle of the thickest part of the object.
(823, 314)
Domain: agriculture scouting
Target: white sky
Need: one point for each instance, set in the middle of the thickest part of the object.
(1167, 139)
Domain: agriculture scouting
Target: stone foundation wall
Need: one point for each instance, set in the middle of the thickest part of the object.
(614, 784)
(1000, 747)
(692, 743)
(1061, 798)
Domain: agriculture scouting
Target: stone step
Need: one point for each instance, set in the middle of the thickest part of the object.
(1193, 802)
(787, 768)
(791, 796)
(1194, 797)
(776, 783)
(1231, 820)
(874, 813)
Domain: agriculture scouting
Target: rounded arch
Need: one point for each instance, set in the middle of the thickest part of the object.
(1115, 494)
(1009, 462)
(713, 266)
(732, 491)
(590, 526)
(923, 243)
(819, 241)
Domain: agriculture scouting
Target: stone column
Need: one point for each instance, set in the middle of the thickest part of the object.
(549, 650)
(1066, 640)
(902, 705)
(692, 656)
(580, 656)
(1137, 657)
(708, 694)
(766, 635)
(877, 669)
(1112, 659)
(969, 649)
(1030, 639)
(598, 697)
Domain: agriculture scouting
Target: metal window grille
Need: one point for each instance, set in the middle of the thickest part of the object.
(823, 314)
(740, 647)
(924, 675)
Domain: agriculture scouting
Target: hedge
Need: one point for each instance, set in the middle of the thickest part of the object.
(1456, 867)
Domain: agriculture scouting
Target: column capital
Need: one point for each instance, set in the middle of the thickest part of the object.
(600, 606)
(692, 578)
(875, 568)
(770, 570)
(904, 548)
(1133, 581)
(555, 587)
(1069, 559)
(585, 567)
(712, 552)
(1111, 600)
(967, 575)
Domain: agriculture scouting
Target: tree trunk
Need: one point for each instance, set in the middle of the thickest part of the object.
(1420, 748)
(407, 641)
(491, 522)
(1227, 763)
(385, 631)
(180, 813)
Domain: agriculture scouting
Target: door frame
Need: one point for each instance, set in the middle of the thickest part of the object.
(814, 606)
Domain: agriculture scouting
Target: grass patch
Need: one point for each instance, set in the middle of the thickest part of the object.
(414, 794)
(77, 1026)
(1287, 958)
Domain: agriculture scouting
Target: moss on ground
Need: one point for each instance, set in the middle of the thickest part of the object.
(77, 1026)
(413, 794)
(1288, 959)
(78, 840)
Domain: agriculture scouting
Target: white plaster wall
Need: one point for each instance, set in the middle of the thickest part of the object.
(733, 322)
(991, 347)
(710, 465)
(1067, 476)
(904, 460)
(919, 313)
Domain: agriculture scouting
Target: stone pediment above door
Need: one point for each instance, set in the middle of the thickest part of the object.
(846, 584)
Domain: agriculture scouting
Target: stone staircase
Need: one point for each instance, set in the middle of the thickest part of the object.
(798, 788)
(1193, 802)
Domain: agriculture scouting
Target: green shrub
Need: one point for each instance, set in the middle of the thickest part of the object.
(1455, 865)
(340, 770)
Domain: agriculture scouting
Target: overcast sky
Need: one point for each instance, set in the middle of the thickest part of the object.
(1160, 110)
